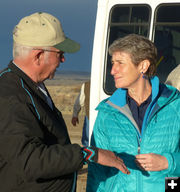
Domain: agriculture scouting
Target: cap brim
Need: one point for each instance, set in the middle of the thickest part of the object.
(68, 46)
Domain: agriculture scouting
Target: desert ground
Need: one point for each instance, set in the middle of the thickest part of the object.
(64, 89)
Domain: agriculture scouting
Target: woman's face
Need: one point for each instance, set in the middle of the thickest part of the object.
(125, 73)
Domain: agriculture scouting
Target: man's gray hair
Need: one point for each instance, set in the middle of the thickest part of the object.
(20, 50)
(23, 50)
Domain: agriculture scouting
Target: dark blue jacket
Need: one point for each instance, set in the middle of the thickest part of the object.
(35, 150)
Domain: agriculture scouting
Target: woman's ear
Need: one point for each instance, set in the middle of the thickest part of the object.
(144, 65)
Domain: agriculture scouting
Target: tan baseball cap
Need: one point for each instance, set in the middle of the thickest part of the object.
(43, 29)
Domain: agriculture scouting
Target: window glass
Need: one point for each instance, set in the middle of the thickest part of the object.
(120, 15)
(140, 14)
(167, 38)
(168, 13)
(124, 20)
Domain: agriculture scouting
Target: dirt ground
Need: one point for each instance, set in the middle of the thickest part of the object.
(64, 93)
(75, 135)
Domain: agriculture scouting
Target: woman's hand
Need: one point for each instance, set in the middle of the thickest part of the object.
(151, 162)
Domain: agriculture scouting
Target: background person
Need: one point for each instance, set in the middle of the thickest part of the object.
(174, 77)
(139, 122)
(82, 101)
(35, 149)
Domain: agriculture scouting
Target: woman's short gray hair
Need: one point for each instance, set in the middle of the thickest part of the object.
(140, 48)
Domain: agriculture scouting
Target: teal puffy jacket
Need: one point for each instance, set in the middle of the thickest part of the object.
(116, 130)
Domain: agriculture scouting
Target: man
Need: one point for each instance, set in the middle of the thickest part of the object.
(35, 150)
(81, 101)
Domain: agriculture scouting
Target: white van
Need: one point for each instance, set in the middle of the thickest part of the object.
(156, 19)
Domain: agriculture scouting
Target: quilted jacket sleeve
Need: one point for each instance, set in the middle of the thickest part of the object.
(173, 164)
(176, 159)
(98, 173)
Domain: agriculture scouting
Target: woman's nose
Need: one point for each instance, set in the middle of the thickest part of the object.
(113, 69)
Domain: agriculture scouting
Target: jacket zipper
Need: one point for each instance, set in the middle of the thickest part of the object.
(139, 178)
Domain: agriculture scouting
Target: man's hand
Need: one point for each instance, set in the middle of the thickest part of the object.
(75, 121)
(108, 158)
(151, 162)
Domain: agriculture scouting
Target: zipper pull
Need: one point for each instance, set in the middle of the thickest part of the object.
(139, 149)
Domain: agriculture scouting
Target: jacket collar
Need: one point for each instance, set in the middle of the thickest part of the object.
(31, 85)
(119, 96)
(21, 74)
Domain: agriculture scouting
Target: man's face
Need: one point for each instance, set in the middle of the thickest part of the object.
(51, 61)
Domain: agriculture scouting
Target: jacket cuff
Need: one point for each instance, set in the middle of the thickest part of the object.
(176, 159)
(170, 159)
(90, 154)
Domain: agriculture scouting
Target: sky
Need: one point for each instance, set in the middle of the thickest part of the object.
(76, 16)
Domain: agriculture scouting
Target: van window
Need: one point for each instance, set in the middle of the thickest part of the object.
(123, 20)
(167, 38)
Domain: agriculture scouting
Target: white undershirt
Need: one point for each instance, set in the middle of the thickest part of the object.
(43, 90)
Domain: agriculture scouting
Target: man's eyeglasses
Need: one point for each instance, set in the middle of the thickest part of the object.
(61, 53)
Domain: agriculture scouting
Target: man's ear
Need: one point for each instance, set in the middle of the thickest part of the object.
(37, 54)
(144, 65)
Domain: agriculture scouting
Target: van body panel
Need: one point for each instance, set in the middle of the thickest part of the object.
(160, 26)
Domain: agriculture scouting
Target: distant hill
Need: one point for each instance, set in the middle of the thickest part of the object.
(68, 77)
(73, 72)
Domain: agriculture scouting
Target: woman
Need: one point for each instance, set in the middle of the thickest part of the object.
(140, 122)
